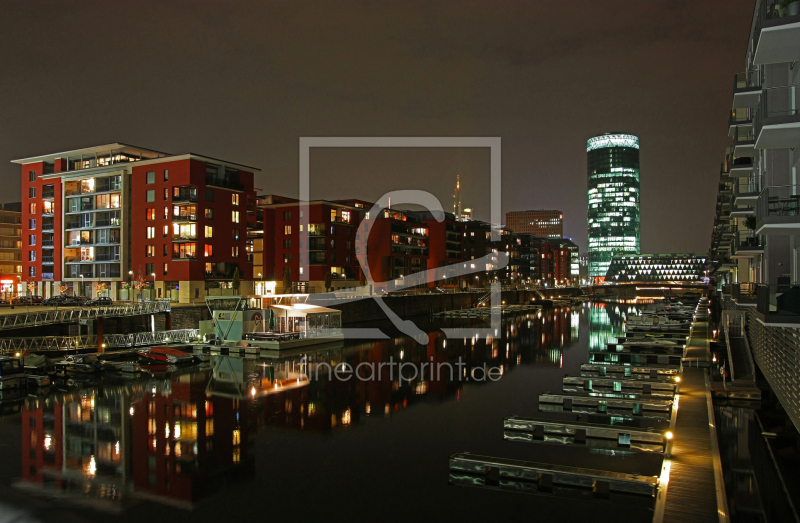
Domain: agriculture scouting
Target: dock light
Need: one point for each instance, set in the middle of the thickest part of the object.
(252, 391)
(130, 411)
(677, 379)
(668, 435)
(715, 358)
(104, 345)
(16, 355)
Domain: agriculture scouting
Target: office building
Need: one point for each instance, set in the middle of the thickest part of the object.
(105, 220)
(663, 268)
(613, 189)
(541, 223)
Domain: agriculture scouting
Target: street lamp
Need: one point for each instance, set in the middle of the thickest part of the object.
(83, 289)
(154, 285)
(130, 287)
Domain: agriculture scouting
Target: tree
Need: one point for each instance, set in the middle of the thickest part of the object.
(750, 222)
(236, 281)
(328, 282)
(287, 280)
(63, 288)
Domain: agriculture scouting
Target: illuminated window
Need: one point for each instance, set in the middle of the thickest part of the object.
(151, 233)
(209, 231)
(234, 199)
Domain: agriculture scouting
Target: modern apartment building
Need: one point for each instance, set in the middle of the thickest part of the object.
(613, 169)
(99, 219)
(327, 236)
(541, 223)
(754, 242)
(10, 250)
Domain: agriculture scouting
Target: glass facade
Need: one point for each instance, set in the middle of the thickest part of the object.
(613, 165)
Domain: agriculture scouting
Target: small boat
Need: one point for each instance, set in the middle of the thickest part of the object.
(36, 381)
(79, 364)
(163, 355)
(122, 367)
(38, 365)
(12, 375)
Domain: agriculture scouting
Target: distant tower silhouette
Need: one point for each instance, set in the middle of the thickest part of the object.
(457, 198)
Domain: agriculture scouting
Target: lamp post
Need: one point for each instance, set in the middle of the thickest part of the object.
(154, 285)
(83, 289)
(130, 287)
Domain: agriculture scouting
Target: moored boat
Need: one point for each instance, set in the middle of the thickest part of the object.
(163, 355)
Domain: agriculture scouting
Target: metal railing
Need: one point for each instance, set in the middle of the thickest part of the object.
(74, 343)
(778, 200)
(73, 315)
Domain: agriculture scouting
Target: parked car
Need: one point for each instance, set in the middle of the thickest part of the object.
(36, 300)
(21, 300)
(100, 301)
(4, 301)
(55, 300)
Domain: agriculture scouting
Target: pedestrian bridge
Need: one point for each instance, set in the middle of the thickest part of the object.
(36, 318)
(83, 343)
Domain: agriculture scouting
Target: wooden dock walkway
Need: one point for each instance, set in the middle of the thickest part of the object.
(695, 492)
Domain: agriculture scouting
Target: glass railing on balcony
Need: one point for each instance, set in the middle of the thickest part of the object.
(783, 200)
(184, 196)
(778, 300)
(47, 276)
(48, 195)
(184, 217)
(742, 116)
(748, 241)
(743, 136)
(48, 227)
(48, 259)
(747, 80)
(48, 243)
(106, 257)
(778, 105)
(182, 237)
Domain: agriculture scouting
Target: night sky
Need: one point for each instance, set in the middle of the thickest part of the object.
(243, 81)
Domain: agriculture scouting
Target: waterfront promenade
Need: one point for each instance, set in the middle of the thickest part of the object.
(696, 491)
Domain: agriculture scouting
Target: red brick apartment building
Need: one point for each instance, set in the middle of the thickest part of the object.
(396, 243)
(116, 213)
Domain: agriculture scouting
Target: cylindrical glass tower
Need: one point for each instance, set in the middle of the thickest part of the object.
(613, 162)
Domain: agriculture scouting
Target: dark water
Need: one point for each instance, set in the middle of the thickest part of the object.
(280, 446)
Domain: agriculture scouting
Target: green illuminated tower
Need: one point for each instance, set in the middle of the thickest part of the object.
(613, 162)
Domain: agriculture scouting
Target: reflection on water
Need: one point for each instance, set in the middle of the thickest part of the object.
(606, 323)
(183, 436)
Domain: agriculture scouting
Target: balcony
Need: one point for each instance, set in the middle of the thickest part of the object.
(184, 238)
(778, 305)
(744, 293)
(48, 227)
(776, 33)
(739, 118)
(48, 195)
(106, 257)
(184, 196)
(777, 121)
(743, 211)
(184, 217)
(49, 260)
(746, 193)
(743, 143)
(48, 212)
(747, 245)
(746, 89)
(741, 167)
(48, 244)
(778, 210)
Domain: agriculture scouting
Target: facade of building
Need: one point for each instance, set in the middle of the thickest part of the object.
(663, 268)
(754, 241)
(613, 188)
(541, 223)
(102, 220)
(446, 244)
(10, 250)
(331, 244)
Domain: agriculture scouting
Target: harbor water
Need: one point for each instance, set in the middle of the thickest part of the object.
(278, 437)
